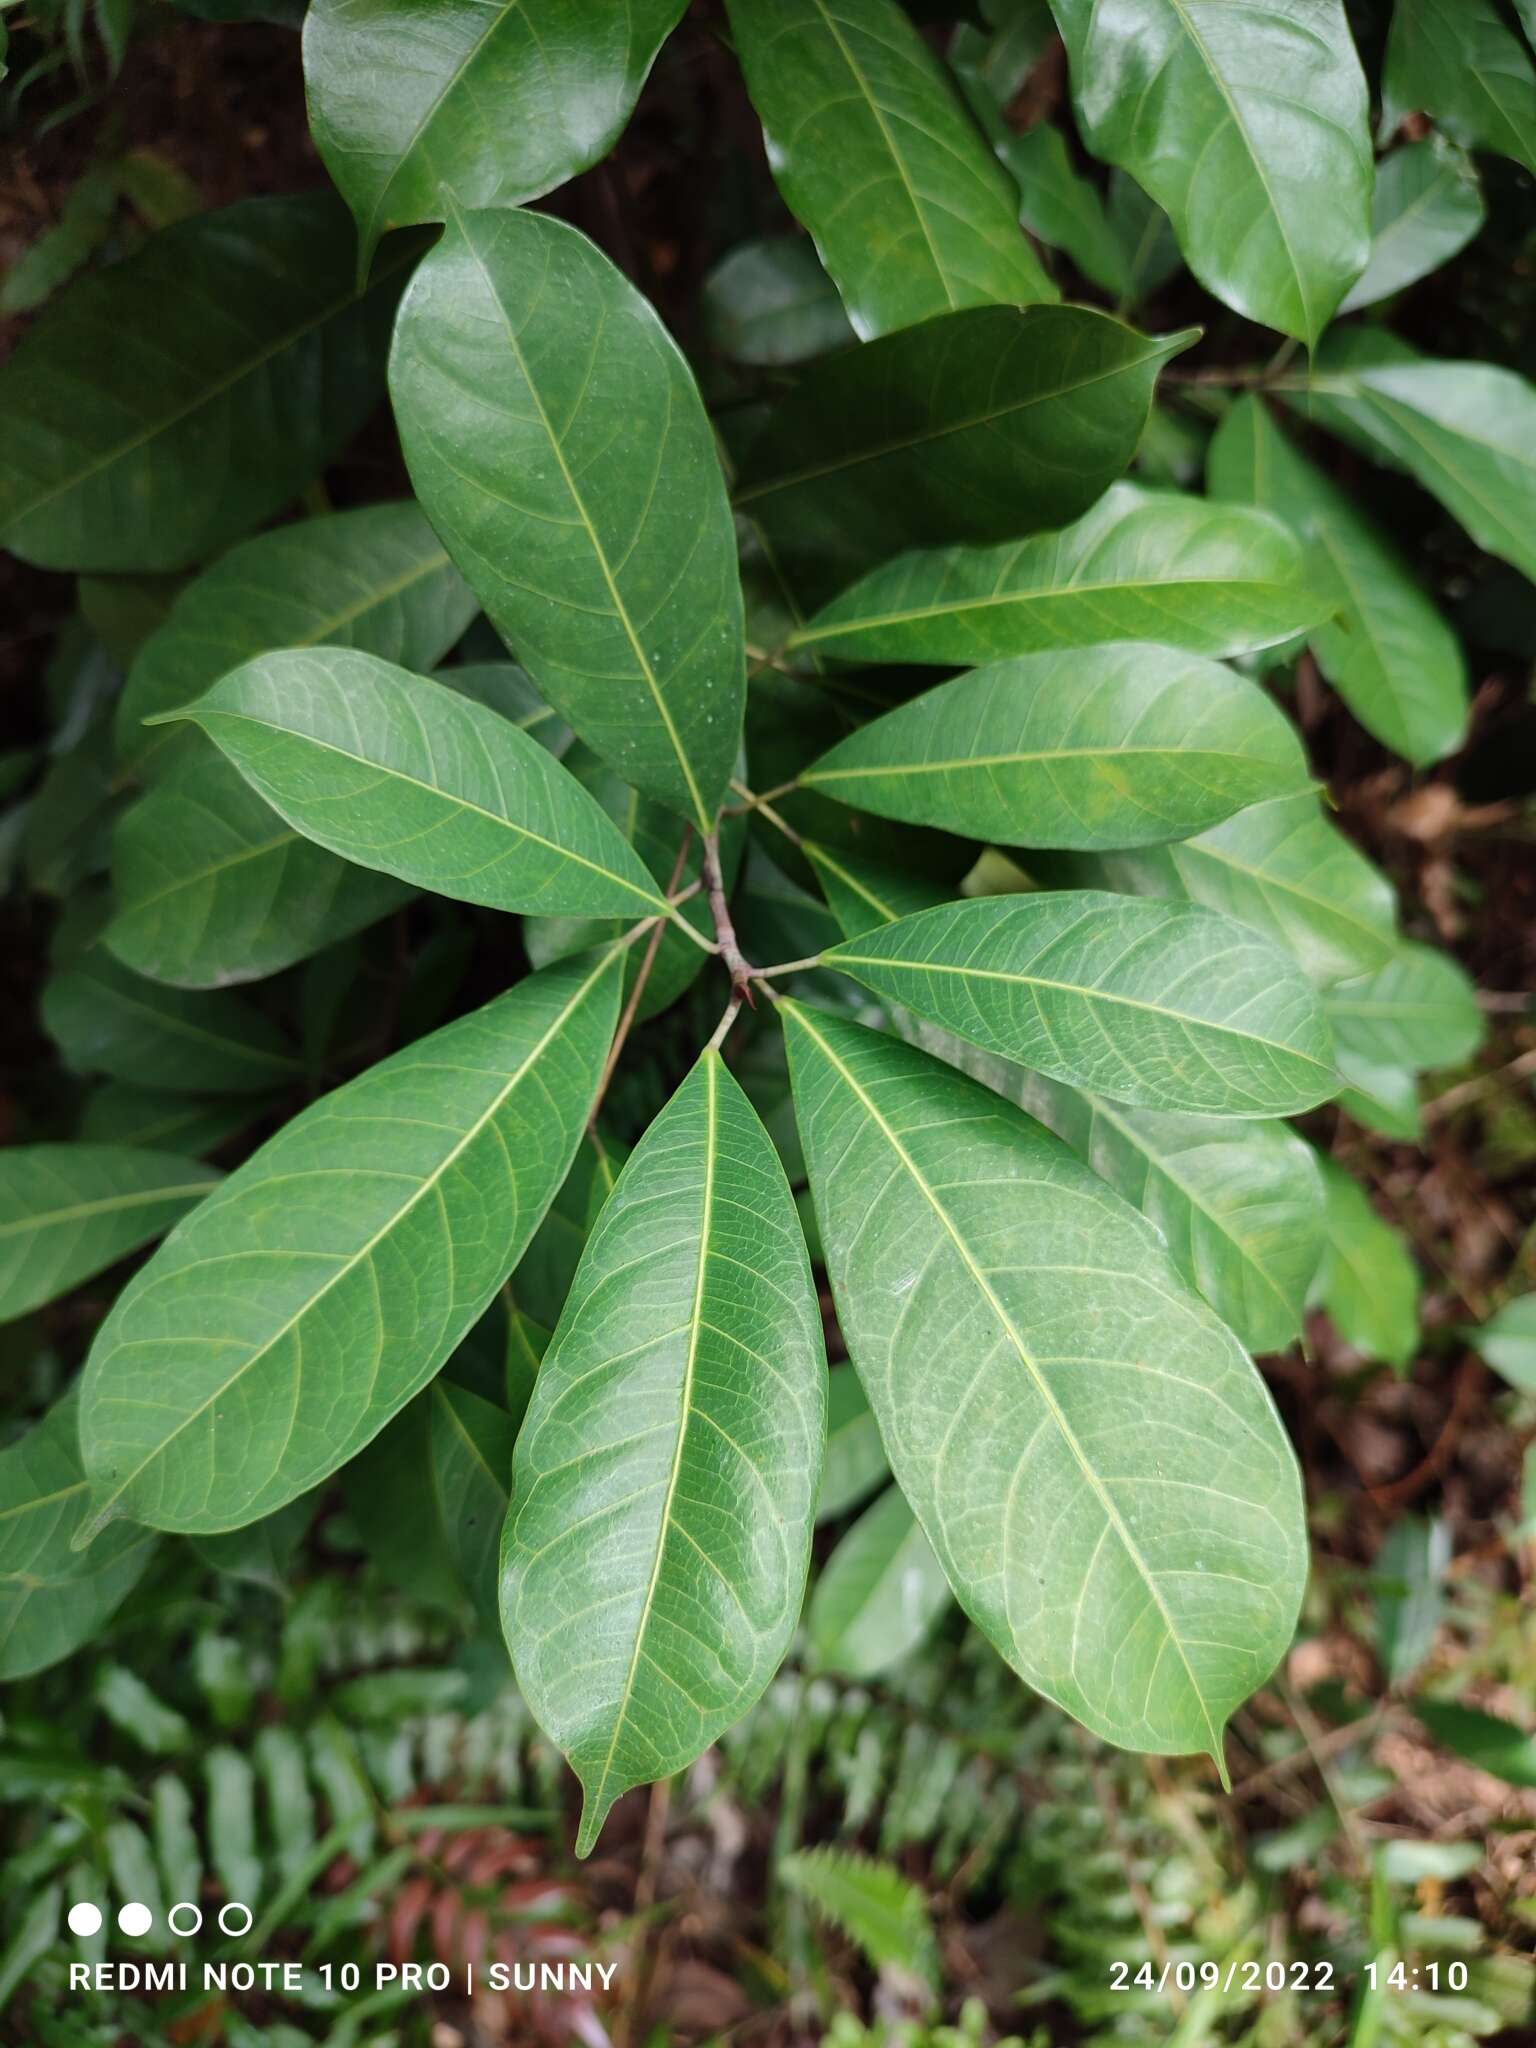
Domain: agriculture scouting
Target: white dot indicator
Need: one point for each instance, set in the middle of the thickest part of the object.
(85, 1918)
(135, 1919)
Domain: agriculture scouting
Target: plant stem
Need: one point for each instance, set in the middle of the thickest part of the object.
(737, 964)
(787, 967)
(764, 806)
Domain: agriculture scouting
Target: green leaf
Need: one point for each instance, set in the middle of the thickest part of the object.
(770, 304)
(117, 1113)
(406, 776)
(1428, 206)
(1165, 1005)
(862, 893)
(855, 1462)
(69, 1211)
(1466, 431)
(875, 153)
(1126, 1529)
(1507, 1342)
(1457, 60)
(1384, 1099)
(1140, 565)
(971, 428)
(1249, 126)
(172, 401)
(1493, 1745)
(471, 1442)
(390, 1492)
(212, 887)
(1409, 1576)
(521, 358)
(1282, 869)
(666, 1475)
(1419, 1011)
(53, 1598)
(1122, 745)
(1062, 207)
(1238, 1203)
(378, 580)
(884, 1912)
(1388, 652)
(544, 1275)
(1368, 1281)
(303, 1320)
(878, 1595)
(482, 105)
(107, 1020)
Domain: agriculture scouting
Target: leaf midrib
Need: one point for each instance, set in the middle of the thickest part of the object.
(51, 1218)
(1111, 1512)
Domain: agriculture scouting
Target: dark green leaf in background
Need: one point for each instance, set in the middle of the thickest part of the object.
(471, 1441)
(1429, 205)
(1141, 565)
(1121, 745)
(1063, 208)
(417, 780)
(522, 361)
(666, 1475)
(544, 1274)
(878, 1595)
(1367, 1281)
(1162, 1004)
(69, 1211)
(1249, 126)
(105, 1019)
(118, 1113)
(1388, 652)
(979, 427)
(1508, 1342)
(1118, 1510)
(855, 1462)
(770, 304)
(1418, 1011)
(1409, 1572)
(493, 102)
(328, 1279)
(1458, 60)
(1492, 1744)
(170, 402)
(875, 152)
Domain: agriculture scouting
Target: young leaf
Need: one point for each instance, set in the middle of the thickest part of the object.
(1507, 1341)
(1418, 1011)
(376, 579)
(1122, 745)
(1456, 60)
(1387, 651)
(1140, 565)
(855, 1462)
(53, 1599)
(327, 1280)
(1428, 206)
(1160, 1004)
(172, 401)
(874, 152)
(1281, 868)
(107, 1020)
(1368, 1281)
(1466, 431)
(666, 1475)
(771, 305)
(69, 1211)
(486, 105)
(404, 775)
(212, 887)
(1124, 1525)
(878, 1595)
(521, 356)
(971, 428)
(1250, 127)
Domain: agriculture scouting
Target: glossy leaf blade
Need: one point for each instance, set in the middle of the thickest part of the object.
(53, 1599)
(1160, 1004)
(69, 1211)
(979, 427)
(213, 888)
(1249, 125)
(1428, 206)
(493, 103)
(874, 152)
(878, 1595)
(1141, 565)
(666, 1475)
(329, 1278)
(1457, 60)
(1418, 1011)
(1388, 652)
(417, 780)
(521, 357)
(1119, 1512)
(105, 1019)
(1123, 745)
(170, 402)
